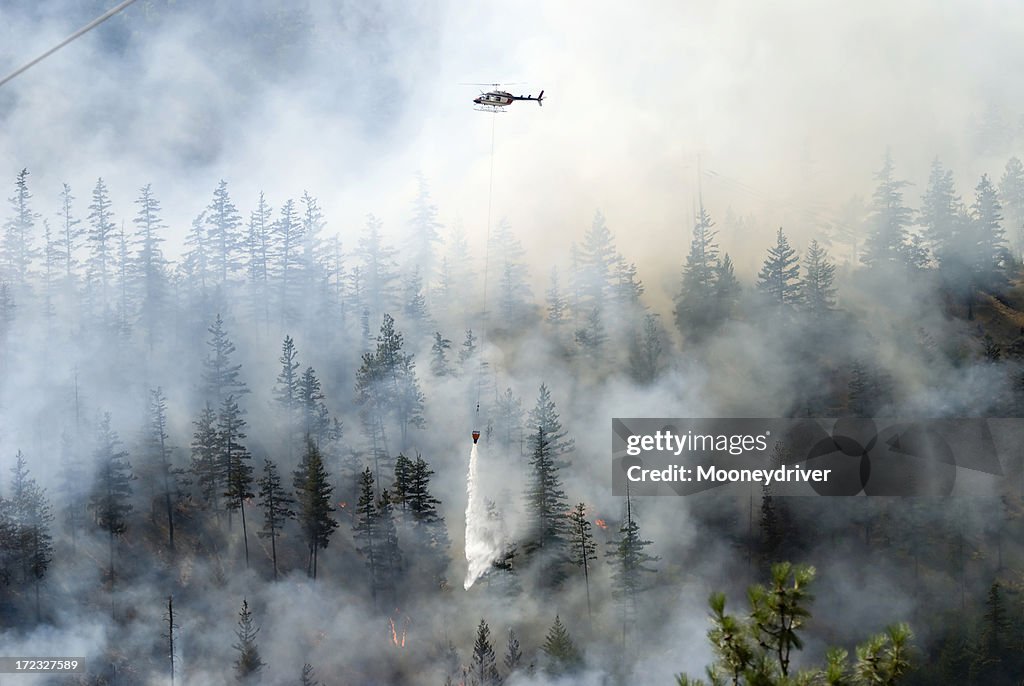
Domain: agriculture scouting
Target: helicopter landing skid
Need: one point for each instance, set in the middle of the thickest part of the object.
(489, 108)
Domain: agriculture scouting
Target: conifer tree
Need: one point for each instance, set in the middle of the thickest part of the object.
(365, 529)
(545, 415)
(315, 422)
(286, 390)
(287, 232)
(484, 665)
(220, 376)
(378, 269)
(817, 289)
(424, 229)
(206, 464)
(234, 461)
(631, 563)
(314, 509)
(389, 555)
(414, 304)
(887, 243)
(546, 506)
(939, 213)
(30, 518)
(988, 244)
(195, 265)
(582, 550)
(694, 310)
(150, 263)
(276, 504)
(102, 238)
(112, 488)
(224, 233)
(70, 233)
(508, 427)
(563, 657)
(514, 293)
(1011, 196)
(260, 247)
(727, 289)
(248, 664)
(557, 304)
(646, 350)
(439, 364)
(17, 250)
(780, 275)
(159, 449)
(307, 677)
(513, 655)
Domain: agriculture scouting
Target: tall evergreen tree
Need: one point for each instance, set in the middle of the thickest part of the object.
(287, 232)
(315, 422)
(563, 657)
(424, 230)
(817, 289)
(557, 304)
(206, 464)
(224, 231)
(286, 390)
(234, 460)
(514, 293)
(70, 233)
(439, 364)
(365, 529)
(631, 563)
(160, 451)
(990, 255)
(151, 266)
(779, 278)
(647, 349)
(30, 518)
(220, 377)
(582, 549)
(102, 239)
(694, 310)
(313, 503)
(248, 664)
(938, 214)
(513, 654)
(484, 664)
(546, 505)
(17, 250)
(887, 244)
(276, 504)
(545, 415)
(260, 245)
(112, 488)
(378, 269)
(1011, 196)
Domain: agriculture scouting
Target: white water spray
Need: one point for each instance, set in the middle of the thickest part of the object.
(483, 542)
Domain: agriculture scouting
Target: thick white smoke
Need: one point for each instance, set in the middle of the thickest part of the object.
(483, 540)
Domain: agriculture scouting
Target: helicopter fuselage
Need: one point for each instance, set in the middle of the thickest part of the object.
(499, 99)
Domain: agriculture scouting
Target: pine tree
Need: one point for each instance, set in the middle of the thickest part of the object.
(562, 655)
(17, 248)
(101, 239)
(1011, 196)
(545, 415)
(308, 676)
(378, 269)
(70, 235)
(195, 265)
(313, 272)
(817, 289)
(206, 464)
(276, 504)
(513, 655)
(694, 310)
(314, 417)
(313, 500)
(439, 365)
(597, 260)
(389, 556)
(287, 233)
(484, 665)
(514, 293)
(365, 529)
(557, 304)
(546, 505)
(286, 390)
(989, 245)
(125, 304)
(646, 350)
(424, 229)
(887, 243)
(260, 246)
(234, 460)
(508, 428)
(780, 275)
(582, 549)
(727, 289)
(112, 489)
(158, 448)
(70, 490)
(220, 376)
(591, 337)
(151, 266)
(938, 214)
(249, 663)
(429, 533)
(224, 233)
(631, 562)
(30, 518)
(414, 303)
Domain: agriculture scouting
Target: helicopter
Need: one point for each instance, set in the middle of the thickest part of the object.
(496, 100)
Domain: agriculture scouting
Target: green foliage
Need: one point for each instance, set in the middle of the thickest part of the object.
(779, 278)
(563, 657)
(248, 664)
(756, 650)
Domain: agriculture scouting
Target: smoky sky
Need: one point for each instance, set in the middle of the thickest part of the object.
(788, 105)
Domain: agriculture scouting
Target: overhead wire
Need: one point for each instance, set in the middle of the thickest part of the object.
(80, 32)
(487, 251)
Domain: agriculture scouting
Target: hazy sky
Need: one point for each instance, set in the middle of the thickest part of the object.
(795, 100)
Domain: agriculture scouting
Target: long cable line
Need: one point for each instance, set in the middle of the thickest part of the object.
(487, 251)
(85, 29)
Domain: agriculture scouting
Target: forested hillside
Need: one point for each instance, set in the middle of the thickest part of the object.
(248, 459)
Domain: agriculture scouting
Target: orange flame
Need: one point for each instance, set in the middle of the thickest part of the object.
(396, 638)
(342, 505)
(601, 523)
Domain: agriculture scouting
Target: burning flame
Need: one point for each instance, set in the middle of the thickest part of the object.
(601, 523)
(342, 505)
(396, 638)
